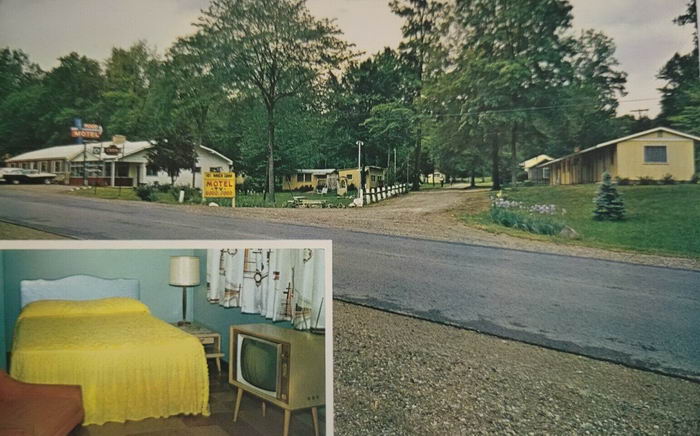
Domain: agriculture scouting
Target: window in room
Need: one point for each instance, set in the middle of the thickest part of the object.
(151, 170)
(655, 154)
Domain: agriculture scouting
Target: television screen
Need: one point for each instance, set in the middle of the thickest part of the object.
(259, 364)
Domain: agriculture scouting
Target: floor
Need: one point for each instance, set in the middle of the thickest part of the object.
(220, 422)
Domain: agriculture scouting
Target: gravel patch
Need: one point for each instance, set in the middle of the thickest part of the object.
(399, 375)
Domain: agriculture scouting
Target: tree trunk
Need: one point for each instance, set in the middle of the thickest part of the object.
(473, 180)
(514, 155)
(417, 162)
(495, 170)
(270, 197)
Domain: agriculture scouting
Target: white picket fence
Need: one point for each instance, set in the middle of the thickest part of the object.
(375, 195)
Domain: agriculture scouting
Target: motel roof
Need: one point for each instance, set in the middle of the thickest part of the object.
(70, 152)
(625, 138)
(324, 171)
(534, 161)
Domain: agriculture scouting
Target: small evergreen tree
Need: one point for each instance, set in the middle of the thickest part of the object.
(608, 202)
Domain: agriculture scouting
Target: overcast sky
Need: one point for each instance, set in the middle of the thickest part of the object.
(47, 29)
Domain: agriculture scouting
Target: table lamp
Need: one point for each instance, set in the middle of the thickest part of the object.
(184, 272)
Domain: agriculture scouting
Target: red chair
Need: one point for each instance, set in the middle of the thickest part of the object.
(37, 409)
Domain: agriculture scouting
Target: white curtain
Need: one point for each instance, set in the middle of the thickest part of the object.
(279, 284)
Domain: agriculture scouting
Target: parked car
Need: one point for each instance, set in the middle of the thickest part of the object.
(19, 175)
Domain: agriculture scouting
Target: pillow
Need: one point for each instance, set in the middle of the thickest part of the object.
(103, 306)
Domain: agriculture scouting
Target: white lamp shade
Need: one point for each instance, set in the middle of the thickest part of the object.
(184, 271)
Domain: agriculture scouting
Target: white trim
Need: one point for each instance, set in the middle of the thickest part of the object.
(212, 151)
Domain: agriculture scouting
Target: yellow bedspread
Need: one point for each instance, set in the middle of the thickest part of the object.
(130, 365)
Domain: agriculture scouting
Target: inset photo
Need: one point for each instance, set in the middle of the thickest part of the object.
(172, 337)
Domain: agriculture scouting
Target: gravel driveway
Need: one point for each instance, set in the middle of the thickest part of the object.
(399, 375)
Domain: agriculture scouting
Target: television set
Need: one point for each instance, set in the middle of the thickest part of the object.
(283, 366)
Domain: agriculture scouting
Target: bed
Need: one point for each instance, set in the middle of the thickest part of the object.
(130, 364)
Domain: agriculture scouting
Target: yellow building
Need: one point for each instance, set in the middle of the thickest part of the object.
(312, 178)
(375, 177)
(653, 153)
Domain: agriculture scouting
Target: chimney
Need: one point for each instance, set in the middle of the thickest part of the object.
(118, 139)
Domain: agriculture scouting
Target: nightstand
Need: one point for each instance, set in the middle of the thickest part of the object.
(209, 339)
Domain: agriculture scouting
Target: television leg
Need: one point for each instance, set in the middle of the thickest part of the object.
(314, 416)
(239, 395)
(287, 417)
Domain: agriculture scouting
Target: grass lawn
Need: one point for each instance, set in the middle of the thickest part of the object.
(659, 219)
(12, 231)
(242, 200)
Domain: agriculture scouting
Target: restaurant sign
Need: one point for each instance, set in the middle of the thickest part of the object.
(219, 184)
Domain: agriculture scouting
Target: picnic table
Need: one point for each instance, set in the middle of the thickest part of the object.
(301, 201)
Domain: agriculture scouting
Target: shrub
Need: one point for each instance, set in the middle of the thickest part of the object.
(644, 180)
(668, 180)
(146, 192)
(624, 181)
(540, 224)
(305, 188)
(521, 176)
(609, 205)
(694, 179)
(163, 188)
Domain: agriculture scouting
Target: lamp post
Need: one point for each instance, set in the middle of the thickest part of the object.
(359, 167)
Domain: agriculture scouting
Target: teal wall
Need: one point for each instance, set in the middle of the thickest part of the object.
(3, 346)
(219, 318)
(150, 267)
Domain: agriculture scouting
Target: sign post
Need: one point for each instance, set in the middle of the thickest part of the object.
(220, 185)
(82, 131)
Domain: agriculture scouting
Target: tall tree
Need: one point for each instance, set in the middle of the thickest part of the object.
(128, 77)
(72, 89)
(420, 32)
(680, 72)
(507, 55)
(20, 102)
(274, 48)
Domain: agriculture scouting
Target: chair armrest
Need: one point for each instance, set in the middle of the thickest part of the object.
(10, 387)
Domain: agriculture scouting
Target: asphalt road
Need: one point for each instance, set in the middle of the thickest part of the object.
(642, 316)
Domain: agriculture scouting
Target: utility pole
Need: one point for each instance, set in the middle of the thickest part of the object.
(639, 112)
(359, 168)
(697, 30)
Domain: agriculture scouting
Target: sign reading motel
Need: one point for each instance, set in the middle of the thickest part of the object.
(89, 131)
(219, 184)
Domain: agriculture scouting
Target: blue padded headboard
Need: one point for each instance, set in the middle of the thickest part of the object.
(78, 287)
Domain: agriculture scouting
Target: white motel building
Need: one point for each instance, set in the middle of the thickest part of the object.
(114, 163)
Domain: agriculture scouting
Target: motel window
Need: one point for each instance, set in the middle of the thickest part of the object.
(215, 169)
(307, 177)
(545, 172)
(197, 170)
(349, 176)
(76, 169)
(300, 177)
(57, 166)
(44, 167)
(151, 170)
(655, 154)
(374, 178)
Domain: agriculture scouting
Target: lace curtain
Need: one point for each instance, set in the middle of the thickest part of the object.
(279, 284)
